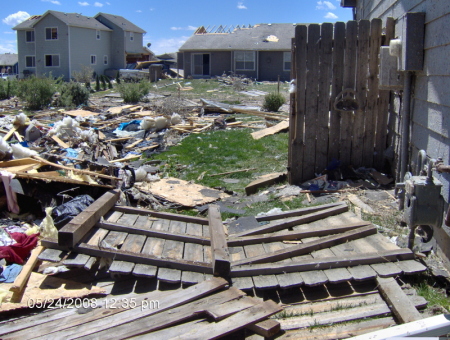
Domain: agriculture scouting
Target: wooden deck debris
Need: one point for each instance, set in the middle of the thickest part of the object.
(219, 248)
(271, 130)
(264, 181)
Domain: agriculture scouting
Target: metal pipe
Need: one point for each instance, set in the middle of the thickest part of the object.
(406, 116)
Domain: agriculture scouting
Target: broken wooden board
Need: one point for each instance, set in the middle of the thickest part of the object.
(182, 192)
(263, 181)
(20, 165)
(81, 113)
(271, 130)
(74, 231)
(219, 247)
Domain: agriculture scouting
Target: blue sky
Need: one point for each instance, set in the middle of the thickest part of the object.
(169, 23)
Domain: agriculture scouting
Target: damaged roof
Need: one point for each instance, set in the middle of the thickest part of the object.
(120, 21)
(254, 38)
(70, 19)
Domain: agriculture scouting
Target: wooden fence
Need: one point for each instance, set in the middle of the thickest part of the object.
(337, 111)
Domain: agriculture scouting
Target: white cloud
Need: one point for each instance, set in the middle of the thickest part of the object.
(110, 4)
(330, 15)
(98, 4)
(83, 3)
(241, 5)
(162, 46)
(54, 2)
(139, 11)
(16, 18)
(188, 28)
(151, 9)
(9, 32)
(325, 5)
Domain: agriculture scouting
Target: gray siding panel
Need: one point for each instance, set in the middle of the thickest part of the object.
(432, 116)
(271, 66)
(220, 63)
(436, 32)
(434, 89)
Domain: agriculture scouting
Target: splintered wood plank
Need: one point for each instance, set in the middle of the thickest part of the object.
(312, 80)
(127, 219)
(155, 246)
(307, 247)
(169, 275)
(133, 243)
(267, 328)
(97, 321)
(191, 277)
(76, 260)
(349, 83)
(144, 270)
(323, 107)
(363, 272)
(219, 248)
(314, 278)
(114, 239)
(207, 252)
(260, 281)
(243, 283)
(411, 267)
(339, 331)
(113, 216)
(324, 263)
(74, 231)
(285, 280)
(98, 235)
(361, 91)
(372, 110)
(88, 265)
(52, 255)
(401, 306)
(295, 221)
(388, 269)
(338, 275)
(144, 222)
(174, 249)
(121, 268)
(232, 323)
(297, 117)
(336, 88)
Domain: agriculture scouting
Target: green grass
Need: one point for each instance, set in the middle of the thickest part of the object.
(223, 151)
(426, 287)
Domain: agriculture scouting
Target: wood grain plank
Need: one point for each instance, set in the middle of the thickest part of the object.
(219, 247)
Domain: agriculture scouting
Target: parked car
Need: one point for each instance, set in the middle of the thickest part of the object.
(6, 76)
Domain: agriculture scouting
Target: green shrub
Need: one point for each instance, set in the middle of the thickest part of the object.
(118, 77)
(103, 81)
(36, 92)
(97, 83)
(133, 92)
(273, 101)
(8, 88)
(72, 94)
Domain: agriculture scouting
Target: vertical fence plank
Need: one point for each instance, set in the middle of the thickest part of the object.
(361, 92)
(312, 64)
(336, 88)
(292, 116)
(383, 114)
(372, 97)
(323, 107)
(349, 83)
(297, 141)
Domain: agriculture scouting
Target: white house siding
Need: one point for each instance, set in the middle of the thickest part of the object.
(431, 91)
(91, 46)
(59, 46)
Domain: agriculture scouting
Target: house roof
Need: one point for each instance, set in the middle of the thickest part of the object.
(8, 59)
(121, 22)
(70, 19)
(259, 37)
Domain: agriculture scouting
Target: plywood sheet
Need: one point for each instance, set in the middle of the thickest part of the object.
(182, 192)
(81, 113)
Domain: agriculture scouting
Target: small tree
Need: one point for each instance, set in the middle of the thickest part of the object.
(97, 83)
(8, 88)
(273, 101)
(118, 77)
(102, 79)
(133, 92)
(72, 94)
(85, 75)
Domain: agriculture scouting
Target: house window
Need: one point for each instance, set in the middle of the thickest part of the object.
(97, 34)
(286, 61)
(51, 33)
(93, 59)
(30, 36)
(105, 60)
(30, 61)
(131, 36)
(52, 60)
(244, 61)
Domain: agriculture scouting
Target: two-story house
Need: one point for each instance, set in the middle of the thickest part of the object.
(61, 43)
